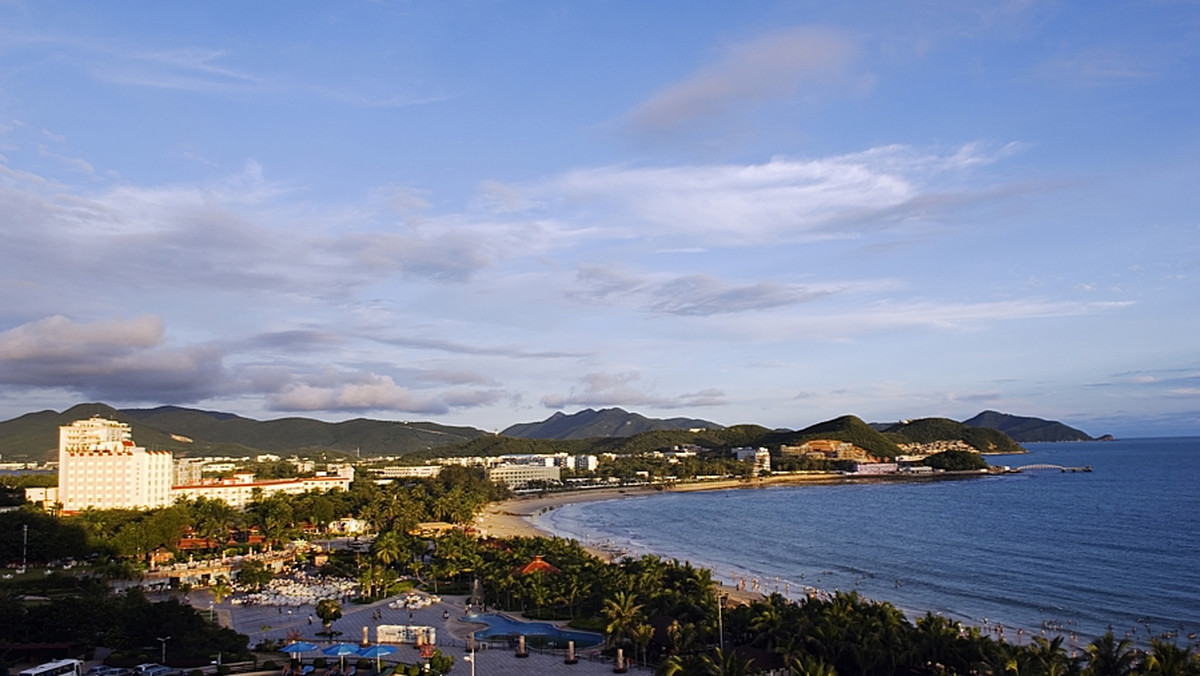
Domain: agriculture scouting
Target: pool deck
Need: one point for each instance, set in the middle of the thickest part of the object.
(259, 622)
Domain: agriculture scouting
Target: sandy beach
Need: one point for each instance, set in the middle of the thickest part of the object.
(514, 517)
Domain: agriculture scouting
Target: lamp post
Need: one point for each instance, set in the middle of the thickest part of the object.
(163, 640)
(721, 622)
(471, 658)
(24, 548)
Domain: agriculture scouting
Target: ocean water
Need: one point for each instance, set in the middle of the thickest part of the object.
(1040, 551)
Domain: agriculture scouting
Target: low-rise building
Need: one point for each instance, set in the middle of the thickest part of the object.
(243, 489)
(518, 475)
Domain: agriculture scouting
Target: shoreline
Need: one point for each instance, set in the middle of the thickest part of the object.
(515, 517)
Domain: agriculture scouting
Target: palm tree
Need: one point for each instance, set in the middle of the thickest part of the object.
(220, 589)
(388, 548)
(1168, 659)
(642, 634)
(1108, 656)
(807, 665)
(1049, 656)
(728, 664)
(622, 611)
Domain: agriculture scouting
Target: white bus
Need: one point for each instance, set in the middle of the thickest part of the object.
(58, 668)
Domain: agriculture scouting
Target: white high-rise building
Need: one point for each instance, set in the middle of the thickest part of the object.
(100, 467)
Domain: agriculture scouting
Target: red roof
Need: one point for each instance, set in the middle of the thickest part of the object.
(537, 565)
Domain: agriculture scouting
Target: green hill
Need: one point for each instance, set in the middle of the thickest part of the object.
(608, 422)
(847, 428)
(1026, 429)
(927, 430)
(192, 432)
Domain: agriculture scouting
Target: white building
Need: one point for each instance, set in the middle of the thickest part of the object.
(100, 467)
(515, 476)
(585, 463)
(761, 457)
(409, 471)
(242, 489)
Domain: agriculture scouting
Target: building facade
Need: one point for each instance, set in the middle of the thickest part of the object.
(515, 476)
(100, 467)
(242, 489)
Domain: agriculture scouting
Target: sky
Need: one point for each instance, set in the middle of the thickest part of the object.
(482, 212)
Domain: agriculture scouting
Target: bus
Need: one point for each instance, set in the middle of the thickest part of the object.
(57, 668)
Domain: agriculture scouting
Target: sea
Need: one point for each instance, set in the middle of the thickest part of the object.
(1040, 552)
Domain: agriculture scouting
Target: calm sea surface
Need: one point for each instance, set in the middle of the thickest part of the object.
(1119, 546)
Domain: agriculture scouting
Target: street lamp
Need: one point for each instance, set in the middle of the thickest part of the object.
(471, 658)
(721, 621)
(163, 640)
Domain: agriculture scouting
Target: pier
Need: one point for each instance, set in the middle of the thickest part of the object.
(1085, 468)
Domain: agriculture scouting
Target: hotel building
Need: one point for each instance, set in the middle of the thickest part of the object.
(100, 467)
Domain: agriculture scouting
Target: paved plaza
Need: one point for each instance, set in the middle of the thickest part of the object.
(283, 624)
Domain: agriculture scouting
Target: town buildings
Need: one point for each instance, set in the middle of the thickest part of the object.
(100, 467)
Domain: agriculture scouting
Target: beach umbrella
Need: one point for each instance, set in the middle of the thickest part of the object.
(341, 650)
(298, 647)
(376, 652)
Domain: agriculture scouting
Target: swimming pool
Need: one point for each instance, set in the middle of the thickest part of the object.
(502, 626)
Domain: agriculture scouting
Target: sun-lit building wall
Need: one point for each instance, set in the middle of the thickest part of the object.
(100, 467)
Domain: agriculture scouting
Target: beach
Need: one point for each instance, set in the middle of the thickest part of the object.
(516, 517)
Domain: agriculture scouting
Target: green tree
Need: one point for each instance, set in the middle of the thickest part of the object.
(622, 612)
(1168, 659)
(1108, 656)
(220, 589)
(254, 574)
(329, 610)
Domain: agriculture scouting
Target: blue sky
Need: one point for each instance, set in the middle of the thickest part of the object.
(482, 212)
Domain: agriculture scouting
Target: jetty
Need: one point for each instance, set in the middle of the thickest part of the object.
(1044, 466)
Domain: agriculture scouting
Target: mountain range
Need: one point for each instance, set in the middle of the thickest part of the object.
(185, 431)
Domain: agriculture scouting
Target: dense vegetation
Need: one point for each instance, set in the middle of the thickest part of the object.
(956, 461)
(665, 613)
(127, 537)
(1026, 429)
(88, 616)
(928, 430)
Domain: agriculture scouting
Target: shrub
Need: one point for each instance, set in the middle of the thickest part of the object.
(268, 664)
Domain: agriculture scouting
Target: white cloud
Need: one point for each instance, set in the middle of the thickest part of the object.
(120, 358)
(58, 337)
(332, 390)
(780, 200)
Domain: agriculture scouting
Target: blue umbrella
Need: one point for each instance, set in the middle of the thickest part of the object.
(376, 651)
(298, 647)
(341, 650)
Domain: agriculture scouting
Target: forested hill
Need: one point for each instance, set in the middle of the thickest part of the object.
(928, 430)
(193, 432)
(1025, 429)
(608, 422)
